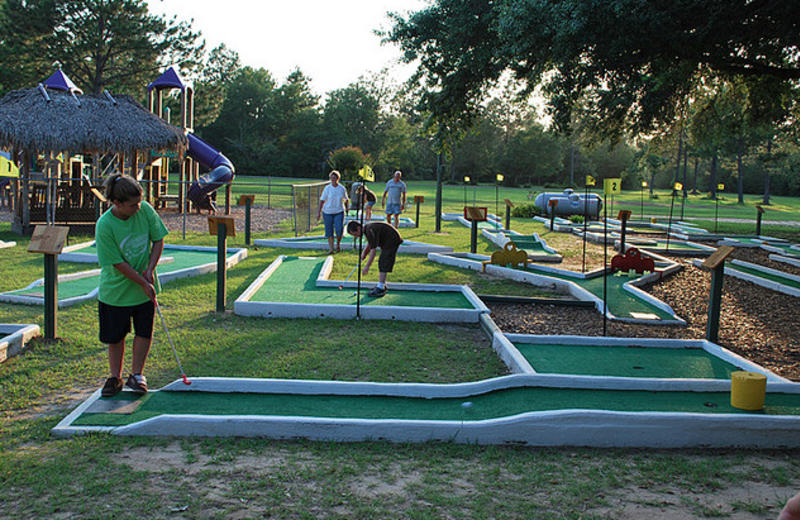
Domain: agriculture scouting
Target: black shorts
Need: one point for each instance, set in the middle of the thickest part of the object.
(386, 260)
(115, 322)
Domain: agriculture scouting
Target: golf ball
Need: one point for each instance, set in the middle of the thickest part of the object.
(467, 405)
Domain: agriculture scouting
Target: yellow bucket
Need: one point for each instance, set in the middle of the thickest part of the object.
(748, 390)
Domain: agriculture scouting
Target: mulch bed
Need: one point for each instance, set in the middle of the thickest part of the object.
(759, 324)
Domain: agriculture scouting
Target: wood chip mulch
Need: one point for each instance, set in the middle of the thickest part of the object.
(761, 325)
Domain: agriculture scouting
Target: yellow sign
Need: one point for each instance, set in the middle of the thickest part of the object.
(720, 186)
(500, 177)
(8, 168)
(612, 186)
(466, 179)
(366, 173)
(644, 184)
(590, 181)
(678, 186)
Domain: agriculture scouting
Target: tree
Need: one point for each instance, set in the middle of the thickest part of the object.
(632, 61)
(100, 44)
(352, 117)
(213, 78)
(347, 161)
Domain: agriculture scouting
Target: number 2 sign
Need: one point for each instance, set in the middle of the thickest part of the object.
(612, 186)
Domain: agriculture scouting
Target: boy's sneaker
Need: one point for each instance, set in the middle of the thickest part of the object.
(112, 387)
(377, 292)
(137, 383)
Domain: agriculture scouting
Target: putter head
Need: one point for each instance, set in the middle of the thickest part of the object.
(186, 380)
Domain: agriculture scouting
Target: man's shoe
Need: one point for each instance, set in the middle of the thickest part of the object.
(112, 387)
(377, 292)
(137, 383)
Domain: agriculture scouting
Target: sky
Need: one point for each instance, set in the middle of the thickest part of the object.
(332, 42)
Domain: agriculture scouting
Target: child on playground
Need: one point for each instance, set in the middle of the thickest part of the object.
(130, 240)
(379, 235)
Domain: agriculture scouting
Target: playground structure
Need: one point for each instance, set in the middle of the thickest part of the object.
(569, 203)
(60, 143)
(199, 153)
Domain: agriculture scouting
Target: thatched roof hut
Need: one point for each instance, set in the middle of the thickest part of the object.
(39, 120)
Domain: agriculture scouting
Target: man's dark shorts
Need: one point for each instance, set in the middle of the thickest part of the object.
(115, 322)
(387, 258)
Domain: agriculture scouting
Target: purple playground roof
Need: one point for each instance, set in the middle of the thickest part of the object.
(59, 81)
(169, 79)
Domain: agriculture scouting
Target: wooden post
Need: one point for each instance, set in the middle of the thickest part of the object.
(552, 203)
(475, 215)
(418, 199)
(222, 227)
(623, 215)
(758, 219)
(716, 263)
(49, 240)
(509, 205)
(247, 201)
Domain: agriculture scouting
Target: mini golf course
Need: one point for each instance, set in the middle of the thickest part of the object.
(321, 243)
(534, 245)
(625, 301)
(298, 287)
(177, 262)
(566, 390)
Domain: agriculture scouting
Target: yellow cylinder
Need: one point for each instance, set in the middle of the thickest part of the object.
(748, 390)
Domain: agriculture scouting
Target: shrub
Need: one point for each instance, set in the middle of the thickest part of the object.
(576, 219)
(525, 211)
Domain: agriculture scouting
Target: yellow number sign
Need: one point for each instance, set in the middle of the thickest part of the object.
(612, 186)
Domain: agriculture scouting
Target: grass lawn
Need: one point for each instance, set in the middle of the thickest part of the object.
(99, 476)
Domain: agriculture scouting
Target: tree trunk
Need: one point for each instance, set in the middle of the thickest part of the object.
(696, 169)
(739, 172)
(712, 181)
(768, 176)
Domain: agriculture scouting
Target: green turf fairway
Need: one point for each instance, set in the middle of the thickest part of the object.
(295, 281)
(783, 280)
(490, 405)
(624, 361)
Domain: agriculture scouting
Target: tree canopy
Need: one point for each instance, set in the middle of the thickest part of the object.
(629, 62)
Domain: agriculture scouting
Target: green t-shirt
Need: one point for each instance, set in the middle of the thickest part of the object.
(126, 241)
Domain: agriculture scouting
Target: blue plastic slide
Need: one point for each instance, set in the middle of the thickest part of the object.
(221, 167)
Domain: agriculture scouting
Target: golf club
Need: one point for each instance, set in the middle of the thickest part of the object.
(348, 277)
(180, 367)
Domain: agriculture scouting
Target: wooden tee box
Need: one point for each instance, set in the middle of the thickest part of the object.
(475, 213)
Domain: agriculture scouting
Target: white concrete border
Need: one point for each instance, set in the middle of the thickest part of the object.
(72, 255)
(572, 427)
(730, 269)
(541, 279)
(244, 306)
(408, 246)
(14, 337)
(4, 245)
(711, 348)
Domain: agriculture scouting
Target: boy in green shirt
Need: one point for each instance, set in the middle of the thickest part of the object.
(128, 281)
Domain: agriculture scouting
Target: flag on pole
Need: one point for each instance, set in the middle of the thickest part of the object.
(366, 173)
(720, 186)
(678, 186)
(590, 181)
(644, 184)
(612, 186)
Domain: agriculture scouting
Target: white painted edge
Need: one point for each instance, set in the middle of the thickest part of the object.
(712, 348)
(15, 337)
(574, 427)
(763, 282)
(785, 259)
(4, 245)
(408, 247)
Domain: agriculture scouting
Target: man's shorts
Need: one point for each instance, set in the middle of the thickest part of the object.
(393, 209)
(386, 260)
(115, 322)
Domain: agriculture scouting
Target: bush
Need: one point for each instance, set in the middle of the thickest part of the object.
(525, 211)
(576, 219)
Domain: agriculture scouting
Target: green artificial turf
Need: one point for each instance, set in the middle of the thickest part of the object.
(490, 405)
(625, 361)
(295, 281)
(783, 280)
